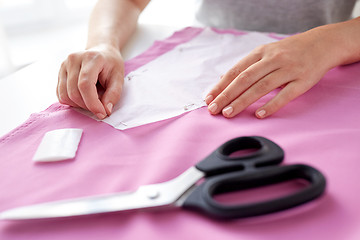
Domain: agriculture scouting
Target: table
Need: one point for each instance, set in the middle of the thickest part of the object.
(320, 129)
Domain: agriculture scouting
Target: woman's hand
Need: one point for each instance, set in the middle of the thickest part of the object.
(92, 80)
(295, 63)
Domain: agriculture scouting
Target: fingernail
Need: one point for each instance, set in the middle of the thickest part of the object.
(228, 110)
(212, 108)
(261, 113)
(100, 116)
(209, 98)
(109, 107)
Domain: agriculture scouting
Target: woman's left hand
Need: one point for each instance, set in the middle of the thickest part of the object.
(295, 63)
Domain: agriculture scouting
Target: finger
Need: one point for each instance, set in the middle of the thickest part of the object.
(241, 83)
(210, 96)
(62, 87)
(88, 77)
(60, 76)
(113, 91)
(255, 92)
(287, 94)
(230, 75)
(73, 70)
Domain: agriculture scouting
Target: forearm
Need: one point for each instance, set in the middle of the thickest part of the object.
(340, 41)
(112, 22)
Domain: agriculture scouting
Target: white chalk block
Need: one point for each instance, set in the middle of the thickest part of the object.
(58, 145)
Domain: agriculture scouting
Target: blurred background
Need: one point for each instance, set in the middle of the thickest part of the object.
(33, 29)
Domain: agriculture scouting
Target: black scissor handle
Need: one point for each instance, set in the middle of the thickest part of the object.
(220, 161)
(202, 198)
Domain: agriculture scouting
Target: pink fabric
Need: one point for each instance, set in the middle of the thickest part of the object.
(321, 128)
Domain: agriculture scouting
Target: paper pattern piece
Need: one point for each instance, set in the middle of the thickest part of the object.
(58, 145)
(178, 81)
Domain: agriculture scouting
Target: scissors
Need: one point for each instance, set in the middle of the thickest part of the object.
(222, 172)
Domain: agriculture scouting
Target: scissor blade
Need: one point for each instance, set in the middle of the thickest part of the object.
(148, 196)
(76, 207)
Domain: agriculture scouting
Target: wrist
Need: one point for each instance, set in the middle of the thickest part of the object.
(104, 47)
(106, 44)
(339, 42)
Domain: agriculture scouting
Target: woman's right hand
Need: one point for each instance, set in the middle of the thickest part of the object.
(92, 80)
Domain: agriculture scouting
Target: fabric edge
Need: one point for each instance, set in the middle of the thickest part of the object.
(34, 117)
(160, 47)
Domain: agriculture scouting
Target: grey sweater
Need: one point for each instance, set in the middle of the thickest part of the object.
(280, 16)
